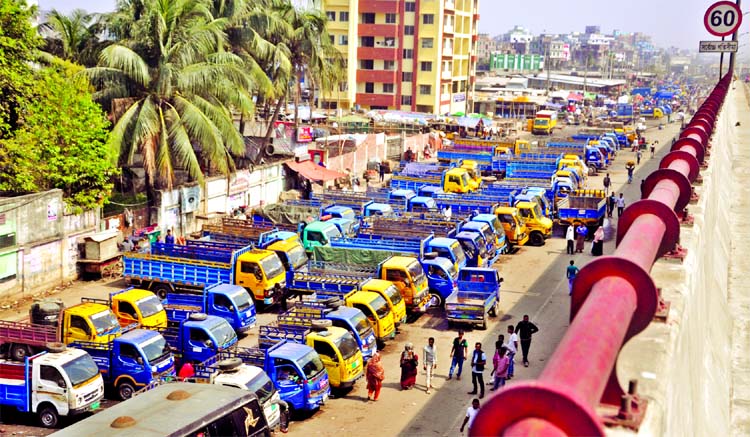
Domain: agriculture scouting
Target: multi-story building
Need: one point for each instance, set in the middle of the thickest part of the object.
(412, 55)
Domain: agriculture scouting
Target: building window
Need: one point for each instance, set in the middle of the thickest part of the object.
(406, 100)
(333, 38)
(390, 18)
(366, 64)
(408, 54)
(368, 18)
(425, 90)
(408, 30)
(344, 40)
(367, 41)
(344, 16)
(388, 88)
(389, 41)
(427, 43)
(369, 87)
(425, 66)
(406, 76)
(331, 15)
(389, 65)
(343, 86)
(410, 7)
(428, 19)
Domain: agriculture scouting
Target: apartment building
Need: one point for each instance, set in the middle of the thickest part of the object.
(411, 55)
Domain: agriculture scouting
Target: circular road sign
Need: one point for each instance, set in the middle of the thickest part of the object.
(722, 18)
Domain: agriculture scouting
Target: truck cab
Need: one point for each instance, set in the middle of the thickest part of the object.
(430, 191)
(488, 238)
(422, 204)
(89, 321)
(376, 310)
(230, 302)
(441, 279)
(472, 167)
(65, 383)
(291, 253)
(132, 361)
(496, 227)
(392, 297)
(319, 233)
(474, 247)
(456, 180)
(401, 196)
(343, 213)
(448, 248)
(544, 122)
(376, 209)
(407, 275)
(262, 273)
(199, 337)
(140, 307)
(539, 226)
(538, 196)
(514, 226)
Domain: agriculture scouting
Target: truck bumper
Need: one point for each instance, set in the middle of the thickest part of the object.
(348, 384)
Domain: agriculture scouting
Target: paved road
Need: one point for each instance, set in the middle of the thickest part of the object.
(534, 284)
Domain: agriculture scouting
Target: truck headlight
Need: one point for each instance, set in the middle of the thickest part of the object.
(154, 369)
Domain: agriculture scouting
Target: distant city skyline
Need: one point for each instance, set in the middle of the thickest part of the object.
(669, 23)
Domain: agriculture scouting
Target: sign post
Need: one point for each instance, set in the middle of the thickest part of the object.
(721, 19)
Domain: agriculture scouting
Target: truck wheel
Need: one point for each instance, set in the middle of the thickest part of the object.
(161, 290)
(48, 416)
(125, 390)
(537, 239)
(493, 310)
(483, 327)
(437, 299)
(19, 352)
(55, 347)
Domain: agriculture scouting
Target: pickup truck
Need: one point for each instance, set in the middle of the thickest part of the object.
(582, 206)
(230, 302)
(69, 385)
(198, 338)
(135, 306)
(477, 297)
(131, 361)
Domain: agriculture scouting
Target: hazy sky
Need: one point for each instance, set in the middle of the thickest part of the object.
(670, 22)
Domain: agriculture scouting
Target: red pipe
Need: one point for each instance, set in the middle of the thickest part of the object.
(613, 299)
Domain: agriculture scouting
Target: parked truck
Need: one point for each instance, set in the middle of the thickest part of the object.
(50, 385)
(131, 361)
(476, 298)
(545, 122)
(585, 207)
(190, 268)
(230, 302)
(133, 306)
(199, 337)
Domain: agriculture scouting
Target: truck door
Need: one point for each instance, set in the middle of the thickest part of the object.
(50, 387)
(126, 314)
(222, 306)
(330, 360)
(130, 361)
(78, 329)
(290, 383)
(200, 345)
(250, 276)
(400, 281)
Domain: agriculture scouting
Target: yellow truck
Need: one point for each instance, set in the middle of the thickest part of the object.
(134, 306)
(544, 122)
(458, 180)
(515, 227)
(539, 226)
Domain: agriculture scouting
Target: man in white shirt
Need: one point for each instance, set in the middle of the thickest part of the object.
(429, 361)
(512, 346)
(620, 205)
(471, 414)
(570, 237)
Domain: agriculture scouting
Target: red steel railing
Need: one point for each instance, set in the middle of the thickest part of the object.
(614, 298)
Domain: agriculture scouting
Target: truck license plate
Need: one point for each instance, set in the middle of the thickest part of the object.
(95, 406)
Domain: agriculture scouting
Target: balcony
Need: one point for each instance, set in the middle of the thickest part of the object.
(376, 99)
(386, 53)
(378, 30)
(448, 29)
(381, 76)
(378, 6)
(446, 75)
(474, 38)
(447, 52)
(450, 7)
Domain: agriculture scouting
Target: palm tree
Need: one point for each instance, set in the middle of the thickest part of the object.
(74, 37)
(180, 86)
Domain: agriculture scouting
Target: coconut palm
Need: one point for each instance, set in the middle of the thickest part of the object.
(74, 37)
(179, 85)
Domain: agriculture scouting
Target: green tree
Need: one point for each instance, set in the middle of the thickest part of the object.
(61, 141)
(180, 85)
(74, 37)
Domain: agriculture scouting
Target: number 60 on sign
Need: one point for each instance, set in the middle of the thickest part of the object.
(722, 18)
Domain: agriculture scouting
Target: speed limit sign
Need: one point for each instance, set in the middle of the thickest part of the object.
(722, 18)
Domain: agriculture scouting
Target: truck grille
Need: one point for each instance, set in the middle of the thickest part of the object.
(90, 396)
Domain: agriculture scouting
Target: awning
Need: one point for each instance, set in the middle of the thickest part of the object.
(575, 97)
(314, 172)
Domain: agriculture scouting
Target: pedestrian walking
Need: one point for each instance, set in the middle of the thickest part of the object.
(607, 183)
(620, 205)
(638, 155)
(611, 204)
(381, 171)
(471, 414)
(430, 362)
(643, 184)
(630, 167)
(169, 239)
(500, 364)
(653, 148)
(581, 232)
(459, 350)
(525, 329)
(512, 347)
(375, 377)
(409, 367)
(597, 248)
(478, 360)
(571, 272)
(570, 237)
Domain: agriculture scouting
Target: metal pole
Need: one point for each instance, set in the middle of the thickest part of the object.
(721, 61)
(732, 55)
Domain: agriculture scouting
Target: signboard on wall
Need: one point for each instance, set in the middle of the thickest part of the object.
(460, 97)
(304, 134)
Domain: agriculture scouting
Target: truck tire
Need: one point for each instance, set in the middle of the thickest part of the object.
(48, 416)
(333, 302)
(493, 310)
(437, 299)
(321, 324)
(483, 326)
(537, 239)
(229, 364)
(125, 390)
(198, 317)
(161, 290)
(55, 347)
(19, 352)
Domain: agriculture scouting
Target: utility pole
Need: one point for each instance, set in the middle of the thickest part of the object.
(546, 63)
(732, 56)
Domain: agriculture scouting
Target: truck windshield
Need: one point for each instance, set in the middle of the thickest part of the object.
(541, 121)
(272, 266)
(458, 254)
(361, 325)
(223, 333)
(465, 179)
(262, 386)
(469, 247)
(81, 369)
(393, 294)
(417, 273)
(149, 306)
(332, 232)
(538, 211)
(311, 364)
(155, 348)
(347, 345)
(241, 299)
(380, 306)
(297, 256)
(104, 322)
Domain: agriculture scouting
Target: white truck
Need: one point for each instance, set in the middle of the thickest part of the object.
(66, 382)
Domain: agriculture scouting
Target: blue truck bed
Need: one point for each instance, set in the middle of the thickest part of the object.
(588, 210)
(475, 299)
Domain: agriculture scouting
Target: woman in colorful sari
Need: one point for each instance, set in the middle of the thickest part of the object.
(375, 376)
(409, 367)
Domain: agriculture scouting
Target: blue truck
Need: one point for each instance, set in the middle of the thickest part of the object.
(586, 207)
(230, 302)
(131, 361)
(476, 298)
(198, 338)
